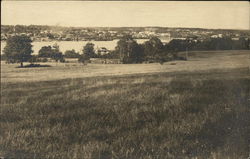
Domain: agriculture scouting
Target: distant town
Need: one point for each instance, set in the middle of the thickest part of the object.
(59, 33)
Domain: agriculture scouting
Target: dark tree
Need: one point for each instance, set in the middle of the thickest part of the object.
(153, 48)
(45, 51)
(88, 50)
(3, 57)
(129, 51)
(18, 49)
(71, 54)
(137, 52)
(33, 59)
(83, 59)
(56, 54)
(51, 52)
(177, 45)
(122, 46)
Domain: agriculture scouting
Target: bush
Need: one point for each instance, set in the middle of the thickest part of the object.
(83, 59)
(44, 60)
(33, 59)
(3, 57)
(62, 60)
(71, 54)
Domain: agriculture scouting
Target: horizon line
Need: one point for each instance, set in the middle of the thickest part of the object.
(151, 26)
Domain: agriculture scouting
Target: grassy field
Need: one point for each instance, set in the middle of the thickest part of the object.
(197, 114)
(197, 61)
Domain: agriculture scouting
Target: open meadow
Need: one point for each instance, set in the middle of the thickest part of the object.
(197, 61)
(198, 108)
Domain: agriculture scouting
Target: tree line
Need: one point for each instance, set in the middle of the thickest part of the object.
(19, 49)
(153, 50)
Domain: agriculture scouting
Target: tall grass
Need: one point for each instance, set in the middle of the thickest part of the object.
(203, 115)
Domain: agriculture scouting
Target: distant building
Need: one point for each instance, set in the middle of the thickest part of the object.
(217, 36)
(180, 38)
(164, 37)
(101, 51)
(235, 38)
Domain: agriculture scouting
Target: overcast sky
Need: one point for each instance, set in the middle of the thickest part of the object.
(224, 15)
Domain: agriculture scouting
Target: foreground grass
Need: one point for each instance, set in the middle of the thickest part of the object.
(203, 115)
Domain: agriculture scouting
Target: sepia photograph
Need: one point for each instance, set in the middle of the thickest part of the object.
(125, 80)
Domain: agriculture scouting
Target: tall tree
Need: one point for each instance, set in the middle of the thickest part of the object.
(56, 54)
(136, 52)
(45, 51)
(128, 49)
(88, 50)
(18, 49)
(51, 52)
(153, 48)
